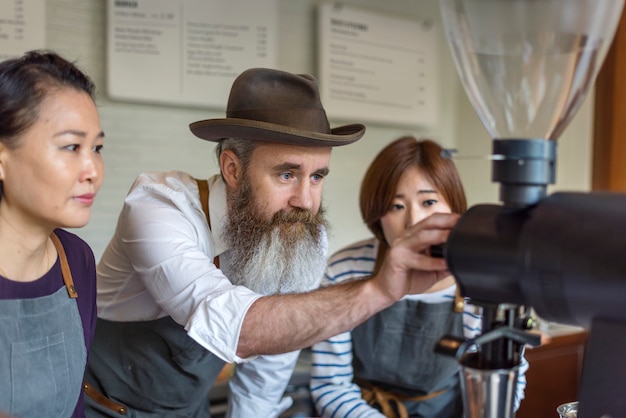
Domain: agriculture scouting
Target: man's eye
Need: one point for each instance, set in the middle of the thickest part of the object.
(317, 178)
(286, 176)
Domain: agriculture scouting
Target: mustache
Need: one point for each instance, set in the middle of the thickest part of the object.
(287, 223)
(296, 215)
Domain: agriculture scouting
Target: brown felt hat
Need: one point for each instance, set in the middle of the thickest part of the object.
(276, 106)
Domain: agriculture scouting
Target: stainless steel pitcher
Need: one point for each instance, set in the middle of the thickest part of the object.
(488, 393)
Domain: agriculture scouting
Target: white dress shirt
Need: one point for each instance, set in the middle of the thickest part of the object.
(160, 263)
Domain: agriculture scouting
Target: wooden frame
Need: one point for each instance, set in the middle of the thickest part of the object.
(609, 136)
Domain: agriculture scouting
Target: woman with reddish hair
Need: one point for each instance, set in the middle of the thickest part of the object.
(387, 367)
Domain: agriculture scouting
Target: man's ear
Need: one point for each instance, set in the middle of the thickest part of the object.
(230, 165)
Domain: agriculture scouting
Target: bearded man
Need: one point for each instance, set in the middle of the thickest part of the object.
(203, 273)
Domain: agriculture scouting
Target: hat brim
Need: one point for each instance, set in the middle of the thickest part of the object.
(217, 129)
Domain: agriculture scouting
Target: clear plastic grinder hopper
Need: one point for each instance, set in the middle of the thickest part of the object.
(527, 66)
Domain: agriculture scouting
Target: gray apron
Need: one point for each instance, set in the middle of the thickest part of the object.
(43, 352)
(394, 351)
(149, 368)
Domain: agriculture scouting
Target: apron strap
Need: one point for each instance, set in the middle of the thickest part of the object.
(102, 400)
(65, 267)
(375, 395)
(203, 187)
(459, 301)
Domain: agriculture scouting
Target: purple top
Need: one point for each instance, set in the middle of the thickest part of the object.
(83, 267)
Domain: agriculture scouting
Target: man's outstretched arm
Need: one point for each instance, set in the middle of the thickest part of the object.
(282, 323)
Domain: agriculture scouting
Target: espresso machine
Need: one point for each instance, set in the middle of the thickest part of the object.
(527, 66)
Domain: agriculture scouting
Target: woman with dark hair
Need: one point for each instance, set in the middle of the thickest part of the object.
(387, 367)
(50, 172)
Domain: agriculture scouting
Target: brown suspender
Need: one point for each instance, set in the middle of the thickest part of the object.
(203, 187)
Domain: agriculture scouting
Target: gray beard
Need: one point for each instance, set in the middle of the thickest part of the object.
(285, 254)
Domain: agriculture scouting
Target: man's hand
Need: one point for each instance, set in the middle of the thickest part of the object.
(408, 266)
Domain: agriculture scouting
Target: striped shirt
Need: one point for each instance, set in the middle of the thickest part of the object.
(332, 388)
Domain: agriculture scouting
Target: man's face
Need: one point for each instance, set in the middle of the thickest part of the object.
(276, 220)
(284, 177)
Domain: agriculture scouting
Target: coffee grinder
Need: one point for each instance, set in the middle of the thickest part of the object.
(527, 66)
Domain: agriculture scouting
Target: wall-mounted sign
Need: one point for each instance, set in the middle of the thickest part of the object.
(376, 67)
(22, 27)
(186, 52)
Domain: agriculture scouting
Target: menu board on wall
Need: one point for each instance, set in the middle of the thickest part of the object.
(186, 52)
(376, 67)
(22, 27)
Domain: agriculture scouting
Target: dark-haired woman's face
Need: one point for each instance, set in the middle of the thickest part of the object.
(415, 199)
(51, 178)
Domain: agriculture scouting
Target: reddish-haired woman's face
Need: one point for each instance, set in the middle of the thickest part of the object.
(415, 199)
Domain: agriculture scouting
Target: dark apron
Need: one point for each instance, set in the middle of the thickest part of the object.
(150, 368)
(43, 352)
(394, 351)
